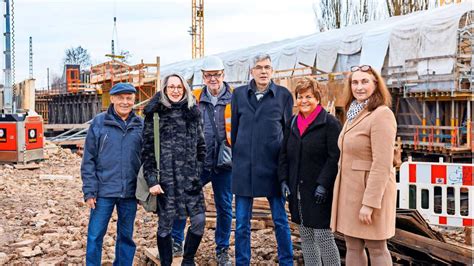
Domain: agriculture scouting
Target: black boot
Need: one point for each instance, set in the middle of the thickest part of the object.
(165, 250)
(191, 245)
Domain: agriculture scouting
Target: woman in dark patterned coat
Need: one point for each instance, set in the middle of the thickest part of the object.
(182, 152)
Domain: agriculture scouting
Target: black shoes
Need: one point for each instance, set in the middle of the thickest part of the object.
(223, 258)
(191, 245)
(165, 249)
(177, 249)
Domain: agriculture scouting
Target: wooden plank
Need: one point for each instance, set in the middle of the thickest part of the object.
(152, 254)
(28, 166)
(412, 221)
(438, 249)
(211, 222)
(56, 177)
(76, 142)
(468, 236)
(64, 126)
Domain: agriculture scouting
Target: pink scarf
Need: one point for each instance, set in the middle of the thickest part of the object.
(303, 123)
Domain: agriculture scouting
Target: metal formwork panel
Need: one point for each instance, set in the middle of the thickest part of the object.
(73, 108)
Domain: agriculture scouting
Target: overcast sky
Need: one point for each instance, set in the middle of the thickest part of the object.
(147, 28)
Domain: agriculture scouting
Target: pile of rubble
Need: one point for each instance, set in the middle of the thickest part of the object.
(45, 219)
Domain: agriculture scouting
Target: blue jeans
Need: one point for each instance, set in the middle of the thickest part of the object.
(243, 214)
(98, 222)
(221, 185)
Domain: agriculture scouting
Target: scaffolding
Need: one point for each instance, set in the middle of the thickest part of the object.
(434, 111)
(84, 94)
(143, 76)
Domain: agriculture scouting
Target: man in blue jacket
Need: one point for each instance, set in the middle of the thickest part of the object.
(213, 100)
(259, 112)
(109, 171)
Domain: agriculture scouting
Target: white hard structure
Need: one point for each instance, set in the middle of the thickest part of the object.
(441, 192)
(423, 34)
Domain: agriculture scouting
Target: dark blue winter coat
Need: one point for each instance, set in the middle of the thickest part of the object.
(257, 133)
(209, 136)
(111, 157)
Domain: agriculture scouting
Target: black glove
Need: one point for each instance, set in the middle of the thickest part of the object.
(285, 190)
(320, 194)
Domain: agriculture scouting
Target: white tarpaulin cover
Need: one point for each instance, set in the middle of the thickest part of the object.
(429, 33)
(326, 55)
(375, 48)
(306, 55)
(237, 70)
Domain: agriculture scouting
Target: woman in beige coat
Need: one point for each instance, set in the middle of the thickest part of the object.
(364, 201)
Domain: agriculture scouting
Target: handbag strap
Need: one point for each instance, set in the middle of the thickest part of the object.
(156, 135)
(293, 120)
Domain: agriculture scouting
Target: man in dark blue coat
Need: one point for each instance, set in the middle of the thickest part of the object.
(260, 111)
(109, 171)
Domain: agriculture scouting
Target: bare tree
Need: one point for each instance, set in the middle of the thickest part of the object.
(78, 56)
(56, 81)
(403, 7)
(334, 14)
(364, 10)
(327, 14)
(126, 56)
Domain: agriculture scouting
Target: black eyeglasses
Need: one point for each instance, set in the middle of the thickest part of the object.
(363, 68)
(210, 76)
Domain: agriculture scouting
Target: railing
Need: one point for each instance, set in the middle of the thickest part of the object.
(431, 137)
(65, 88)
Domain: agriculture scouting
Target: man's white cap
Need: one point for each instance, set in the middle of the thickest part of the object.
(212, 63)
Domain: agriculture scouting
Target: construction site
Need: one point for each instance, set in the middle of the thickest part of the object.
(425, 57)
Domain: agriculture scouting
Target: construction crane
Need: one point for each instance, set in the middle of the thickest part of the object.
(197, 28)
(112, 55)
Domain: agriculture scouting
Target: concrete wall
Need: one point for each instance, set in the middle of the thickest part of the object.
(25, 95)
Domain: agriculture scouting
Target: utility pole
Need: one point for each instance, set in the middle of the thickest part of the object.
(31, 57)
(47, 77)
(197, 28)
(8, 91)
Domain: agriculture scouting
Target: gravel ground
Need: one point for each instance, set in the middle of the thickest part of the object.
(44, 221)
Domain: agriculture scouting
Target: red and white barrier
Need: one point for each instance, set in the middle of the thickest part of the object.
(441, 192)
